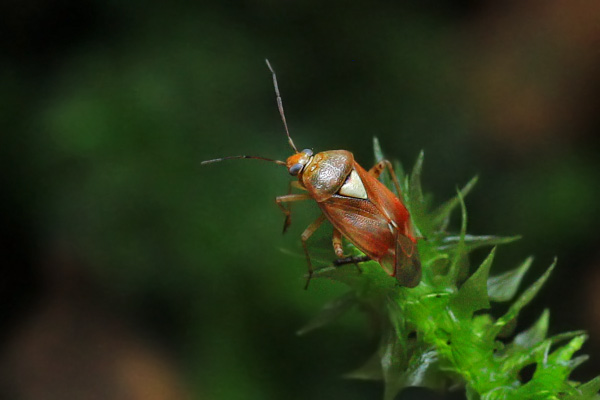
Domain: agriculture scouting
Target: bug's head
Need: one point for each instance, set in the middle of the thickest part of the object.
(296, 163)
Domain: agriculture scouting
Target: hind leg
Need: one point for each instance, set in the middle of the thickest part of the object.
(378, 168)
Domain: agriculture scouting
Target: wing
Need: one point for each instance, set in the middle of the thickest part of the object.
(362, 224)
(405, 261)
(379, 225)
(385, 201)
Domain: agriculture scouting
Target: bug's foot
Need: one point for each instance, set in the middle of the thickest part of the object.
(351, 260)
(308, 278)
(287, 223)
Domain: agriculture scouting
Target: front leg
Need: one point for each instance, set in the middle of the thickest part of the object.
(288, 210)
(288, 198)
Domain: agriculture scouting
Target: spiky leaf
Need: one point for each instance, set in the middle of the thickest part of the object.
(438, 335)
(586, 391)
(503, 287)
(330, 312)
(393, 361)
(370, 370)
(441, 216)
(534, 335)
(416, 192)
(472, 242)
(460, 250)
(523, 300)
(473, 294)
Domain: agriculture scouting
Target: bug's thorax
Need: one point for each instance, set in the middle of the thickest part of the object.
(325, 173)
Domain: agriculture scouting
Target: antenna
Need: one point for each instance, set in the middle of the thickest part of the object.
(280, 106)
(234, 157)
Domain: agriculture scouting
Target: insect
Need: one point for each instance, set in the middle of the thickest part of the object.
(360, 208)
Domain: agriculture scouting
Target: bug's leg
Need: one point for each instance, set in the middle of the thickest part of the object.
(337, 243)
(297, 185)
(308, 232)
(288, 198)
(288, 214)
(351, 260)
(339, 252)
(378, 168)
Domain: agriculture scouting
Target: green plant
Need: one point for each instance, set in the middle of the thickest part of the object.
(438, 335)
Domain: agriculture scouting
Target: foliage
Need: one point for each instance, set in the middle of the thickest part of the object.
(438, 335)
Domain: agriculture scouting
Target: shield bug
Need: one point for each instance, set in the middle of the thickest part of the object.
(354, 201)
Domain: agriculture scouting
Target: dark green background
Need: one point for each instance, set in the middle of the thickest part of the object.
(108, 107)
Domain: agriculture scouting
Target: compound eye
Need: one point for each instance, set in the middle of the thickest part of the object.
(308, 152)
(295, 169)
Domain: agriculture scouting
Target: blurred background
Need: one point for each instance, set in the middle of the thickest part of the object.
(131, 272)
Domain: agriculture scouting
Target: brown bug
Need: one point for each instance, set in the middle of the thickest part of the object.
(356, 203)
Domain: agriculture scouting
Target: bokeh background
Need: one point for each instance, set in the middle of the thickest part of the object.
(131, 272)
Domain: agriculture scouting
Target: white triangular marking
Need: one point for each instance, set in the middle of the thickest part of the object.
(353, 187)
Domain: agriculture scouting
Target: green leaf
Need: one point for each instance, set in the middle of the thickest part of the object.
(503, 287)
(556, 367)
(393, 361)
(586, 391)
(577, 361)
(508, 329)
(460, 250)
(472, 393)
(423, 370)
(566, 336)
(370, 277)
(370, 370)
(564, 353)
(330, 312)
(415, 192)
(473, 294)
(535, 334)
(377, 150)
(518, 357)
(473, 242)
(441, 217)
(436, 335)
(400, 175)
(522, 301)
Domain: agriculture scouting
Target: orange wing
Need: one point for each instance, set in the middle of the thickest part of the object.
(379, 226)
(405, 261)
(361, 223)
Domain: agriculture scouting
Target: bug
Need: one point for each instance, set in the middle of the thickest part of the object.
(360, 207)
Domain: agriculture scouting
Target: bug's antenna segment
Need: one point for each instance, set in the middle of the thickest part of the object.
(280, 106)
(235, 157)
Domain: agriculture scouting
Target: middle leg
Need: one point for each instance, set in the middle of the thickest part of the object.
(337, 243)
(339, 252)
